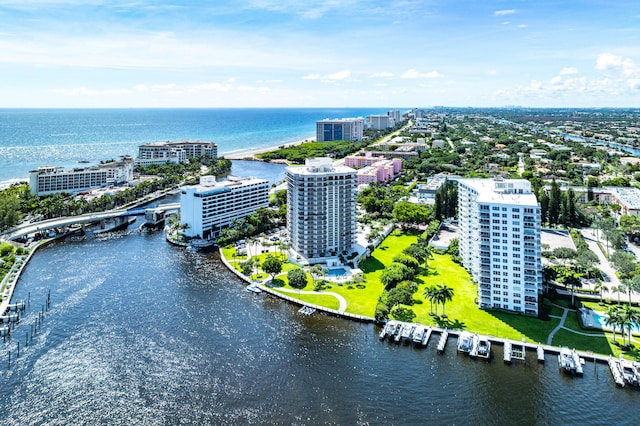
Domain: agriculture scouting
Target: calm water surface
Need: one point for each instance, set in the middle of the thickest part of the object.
(141, 332)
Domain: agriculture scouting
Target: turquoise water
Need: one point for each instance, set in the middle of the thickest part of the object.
(600, 318)
(61, 137)
(336, 272)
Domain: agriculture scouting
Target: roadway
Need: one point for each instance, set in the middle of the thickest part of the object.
(25, 229)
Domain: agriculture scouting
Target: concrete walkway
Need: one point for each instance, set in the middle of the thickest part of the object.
(561, 325)
(343, 302)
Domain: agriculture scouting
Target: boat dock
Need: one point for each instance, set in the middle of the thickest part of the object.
(427, 335)
(444, 335)
(507, 351)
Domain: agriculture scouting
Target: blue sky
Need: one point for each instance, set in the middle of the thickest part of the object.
(319, 53)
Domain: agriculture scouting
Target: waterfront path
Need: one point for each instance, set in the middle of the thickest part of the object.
(561, 325)
(343, 302)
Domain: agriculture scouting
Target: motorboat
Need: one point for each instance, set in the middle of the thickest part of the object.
(418, 333)
(465, 342)
(483, 347)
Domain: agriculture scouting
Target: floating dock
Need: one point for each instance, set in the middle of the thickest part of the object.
(507, 352)
(427, 335)
(614, 366)
(540, 353)
(444, 335)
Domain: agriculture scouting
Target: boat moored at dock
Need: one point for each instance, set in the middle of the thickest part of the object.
(418, 334)
(569, 361)
(483, 347)
(465, 342)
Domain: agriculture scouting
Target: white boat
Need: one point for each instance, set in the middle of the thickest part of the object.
(391, 328)
(465, 342)
(569, 361)
(629, 373)
(418, 333)
(427, 335)
(483, 347)
(254, 288)
(399, 330)
(407, 331)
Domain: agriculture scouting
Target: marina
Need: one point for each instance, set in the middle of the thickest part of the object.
(197, 355)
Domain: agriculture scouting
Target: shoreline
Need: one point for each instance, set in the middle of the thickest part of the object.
(251, 154)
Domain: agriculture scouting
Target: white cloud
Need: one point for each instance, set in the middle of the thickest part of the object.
(329, 78)
(340, 75)
(568, 70)
(504, 12)
(416, 74)
(609, 61)
(383, 74)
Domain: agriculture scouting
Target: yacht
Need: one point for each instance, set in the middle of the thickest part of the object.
(465, 342)
(629, 372)
(483, 347)
(418, 333)
(569, 361)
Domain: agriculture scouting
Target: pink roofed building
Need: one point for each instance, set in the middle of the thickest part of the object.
(380, 171)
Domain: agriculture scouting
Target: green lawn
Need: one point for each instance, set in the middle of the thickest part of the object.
(462, 311)
(326, 300)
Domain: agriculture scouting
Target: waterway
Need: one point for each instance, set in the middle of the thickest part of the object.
(141, 332)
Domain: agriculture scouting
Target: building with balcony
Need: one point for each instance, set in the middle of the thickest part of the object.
(210, 206)
(321, 209)
(174, 152)
(339, 129)
(50, 180)
(499, 242)
(379, 122)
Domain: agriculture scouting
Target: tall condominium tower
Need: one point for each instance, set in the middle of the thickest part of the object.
(339, 129)
(499, 223)
(321, 208)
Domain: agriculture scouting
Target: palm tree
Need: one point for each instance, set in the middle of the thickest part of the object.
(571, 278)
(599, 286)
(632, 285)
(631, 317)
(618, 289)
(445, 294)
(430, 293)
(612, 320)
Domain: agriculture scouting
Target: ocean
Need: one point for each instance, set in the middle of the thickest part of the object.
(63, 137)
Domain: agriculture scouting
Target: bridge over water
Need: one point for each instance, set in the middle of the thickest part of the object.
(31, 228)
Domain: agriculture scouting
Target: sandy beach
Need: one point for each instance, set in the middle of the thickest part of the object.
(251, 155)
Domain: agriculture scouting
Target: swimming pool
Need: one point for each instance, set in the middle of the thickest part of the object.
(599, 320)
(337, 272)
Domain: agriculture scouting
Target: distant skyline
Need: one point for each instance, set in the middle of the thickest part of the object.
(319, 53)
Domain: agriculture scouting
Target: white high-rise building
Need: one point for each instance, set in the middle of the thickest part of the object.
(50, 179)
(207, 208)
(499, 242)
(395, 114)
(379, 122)
(321, 209)
(340, 129)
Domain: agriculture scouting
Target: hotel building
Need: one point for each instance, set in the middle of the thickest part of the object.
(210, 206)
(321, 209)
(174, 152)
(50, 180)
(499, 242)
(342, 129)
